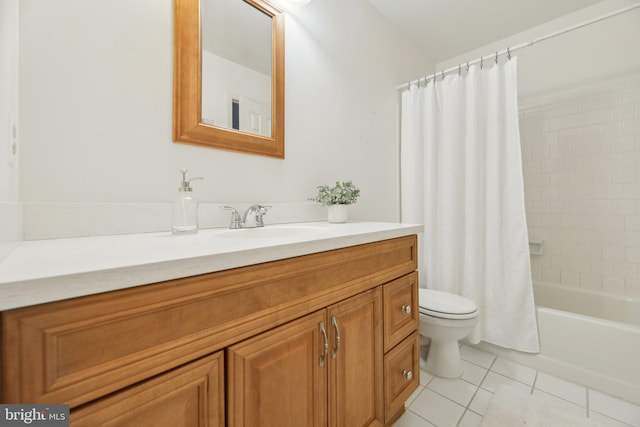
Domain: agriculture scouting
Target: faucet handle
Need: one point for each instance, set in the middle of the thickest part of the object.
(262, 210)
(236, 220)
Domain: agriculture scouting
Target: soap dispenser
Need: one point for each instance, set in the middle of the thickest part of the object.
(185, 208)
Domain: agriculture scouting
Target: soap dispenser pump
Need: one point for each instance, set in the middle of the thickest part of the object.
(185, 208)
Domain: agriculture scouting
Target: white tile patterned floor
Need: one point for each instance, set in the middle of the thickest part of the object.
(462, 402)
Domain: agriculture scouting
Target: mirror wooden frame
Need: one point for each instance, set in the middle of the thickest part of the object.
(187, 86)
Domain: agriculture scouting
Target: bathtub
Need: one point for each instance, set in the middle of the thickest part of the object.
(586, 337)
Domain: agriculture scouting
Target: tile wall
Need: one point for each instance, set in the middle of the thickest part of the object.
(581, 164)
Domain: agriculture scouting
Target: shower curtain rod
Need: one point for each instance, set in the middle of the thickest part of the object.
(508, 51)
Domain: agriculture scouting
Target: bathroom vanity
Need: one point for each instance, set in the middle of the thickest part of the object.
(313, 329)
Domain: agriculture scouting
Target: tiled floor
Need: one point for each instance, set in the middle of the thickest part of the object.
(462, 402)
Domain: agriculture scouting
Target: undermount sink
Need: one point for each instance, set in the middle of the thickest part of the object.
(273, 232)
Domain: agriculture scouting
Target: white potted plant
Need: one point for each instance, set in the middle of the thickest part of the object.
(337, 198)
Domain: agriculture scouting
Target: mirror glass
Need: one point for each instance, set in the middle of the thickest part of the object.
(228, 75)
(236, 66)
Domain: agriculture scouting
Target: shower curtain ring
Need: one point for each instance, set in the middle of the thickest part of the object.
(509, 54)
(459, 70)
(481, 62)
(442, 72)
(467, 66)
(496, 58)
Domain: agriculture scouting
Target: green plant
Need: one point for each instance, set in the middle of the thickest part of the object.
(343, 193)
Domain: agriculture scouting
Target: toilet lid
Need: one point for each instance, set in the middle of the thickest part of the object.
(446, 305)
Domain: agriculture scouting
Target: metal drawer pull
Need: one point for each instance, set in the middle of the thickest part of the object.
(406, 309)
(407, 374)
(326, 344)
(334, 323)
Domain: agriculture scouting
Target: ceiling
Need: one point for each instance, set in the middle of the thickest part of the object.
(447, 28)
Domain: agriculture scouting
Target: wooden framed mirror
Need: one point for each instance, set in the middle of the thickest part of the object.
(241, 107)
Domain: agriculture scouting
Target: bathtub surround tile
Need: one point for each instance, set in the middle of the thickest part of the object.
(627, 270)
(632, 255)
(591, 281)
(614, 285)
(570, 278)
(632, 288)
(613, 253)
(583, 149)
(551, 275)
(631, 95)
(615, 408)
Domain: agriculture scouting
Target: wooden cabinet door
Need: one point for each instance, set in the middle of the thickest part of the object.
(188, 396)
(355, 368)
(278, 378)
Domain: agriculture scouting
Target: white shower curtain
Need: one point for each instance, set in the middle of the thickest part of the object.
(462, 178)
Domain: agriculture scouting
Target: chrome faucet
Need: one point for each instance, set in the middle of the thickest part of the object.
(252, 217)
(254, 214)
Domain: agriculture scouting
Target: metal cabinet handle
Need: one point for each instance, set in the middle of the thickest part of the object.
(407, 374)
(406, 309)
(323, 356)
(334, 323)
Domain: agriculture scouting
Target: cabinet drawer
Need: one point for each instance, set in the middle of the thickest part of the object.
(400, 309)
(189, 396)
(401, 375)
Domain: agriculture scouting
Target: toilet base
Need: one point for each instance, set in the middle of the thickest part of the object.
(443, 359)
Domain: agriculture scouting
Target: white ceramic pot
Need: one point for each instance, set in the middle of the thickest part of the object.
(338, 213)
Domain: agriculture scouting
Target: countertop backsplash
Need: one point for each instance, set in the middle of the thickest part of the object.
(11, 228)
(64, 220)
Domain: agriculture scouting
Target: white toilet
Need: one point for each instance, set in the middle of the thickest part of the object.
(445, 318)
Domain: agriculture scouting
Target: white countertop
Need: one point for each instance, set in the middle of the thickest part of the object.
(41, 271)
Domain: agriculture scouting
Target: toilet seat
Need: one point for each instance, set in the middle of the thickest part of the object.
(446, 305)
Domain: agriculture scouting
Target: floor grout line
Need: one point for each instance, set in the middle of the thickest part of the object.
(466, 408)
(587, 402)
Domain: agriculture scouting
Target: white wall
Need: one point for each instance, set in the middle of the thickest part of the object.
(585, 57)
(8, 100)
(10, 209)
(96, 108)
(580, 133)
